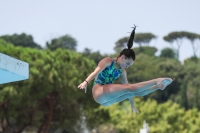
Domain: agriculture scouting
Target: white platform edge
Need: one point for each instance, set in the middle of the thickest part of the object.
(13, 65)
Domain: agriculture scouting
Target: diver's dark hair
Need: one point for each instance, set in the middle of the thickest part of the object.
(128, 52)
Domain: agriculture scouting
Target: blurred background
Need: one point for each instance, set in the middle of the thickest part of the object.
(64, 40)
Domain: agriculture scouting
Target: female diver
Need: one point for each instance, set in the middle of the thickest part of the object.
(109, 69)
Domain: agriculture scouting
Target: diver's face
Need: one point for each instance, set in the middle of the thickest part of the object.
(126, 62)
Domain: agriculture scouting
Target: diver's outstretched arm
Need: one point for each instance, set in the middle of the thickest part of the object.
(101, 66)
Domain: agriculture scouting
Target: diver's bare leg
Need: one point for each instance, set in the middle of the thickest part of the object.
(130, 95)
(108, 92)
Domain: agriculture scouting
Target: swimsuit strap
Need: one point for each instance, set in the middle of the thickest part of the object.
(112, 62)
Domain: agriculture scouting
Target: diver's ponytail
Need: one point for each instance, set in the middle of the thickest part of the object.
(129, 53)
(130, 41)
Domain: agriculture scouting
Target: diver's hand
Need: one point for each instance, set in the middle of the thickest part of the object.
(83, 86)
(134, 109)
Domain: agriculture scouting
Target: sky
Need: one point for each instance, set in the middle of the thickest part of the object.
(97, 25)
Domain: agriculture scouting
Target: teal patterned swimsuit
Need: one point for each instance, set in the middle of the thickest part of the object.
(108, 75)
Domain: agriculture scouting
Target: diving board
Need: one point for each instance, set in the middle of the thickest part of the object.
(12, 69)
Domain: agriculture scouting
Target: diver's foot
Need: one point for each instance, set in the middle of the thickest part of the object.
(164, 83)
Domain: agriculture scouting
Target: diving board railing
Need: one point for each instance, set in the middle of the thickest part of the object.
(12, 69)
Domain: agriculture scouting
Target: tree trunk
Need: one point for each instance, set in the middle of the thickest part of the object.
(45, 125)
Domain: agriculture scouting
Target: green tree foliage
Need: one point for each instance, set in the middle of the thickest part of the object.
(64, 42)
(144, 38)
(188, 96)
(178, 37)
(95, 56)
(175, 37)
(140, 38)
(162, 118)
(121, 44)
(146, 50)
(192, 37)
(87, 51)
(23, 40)
(4, 43)
(168, 53)
(50, 97)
